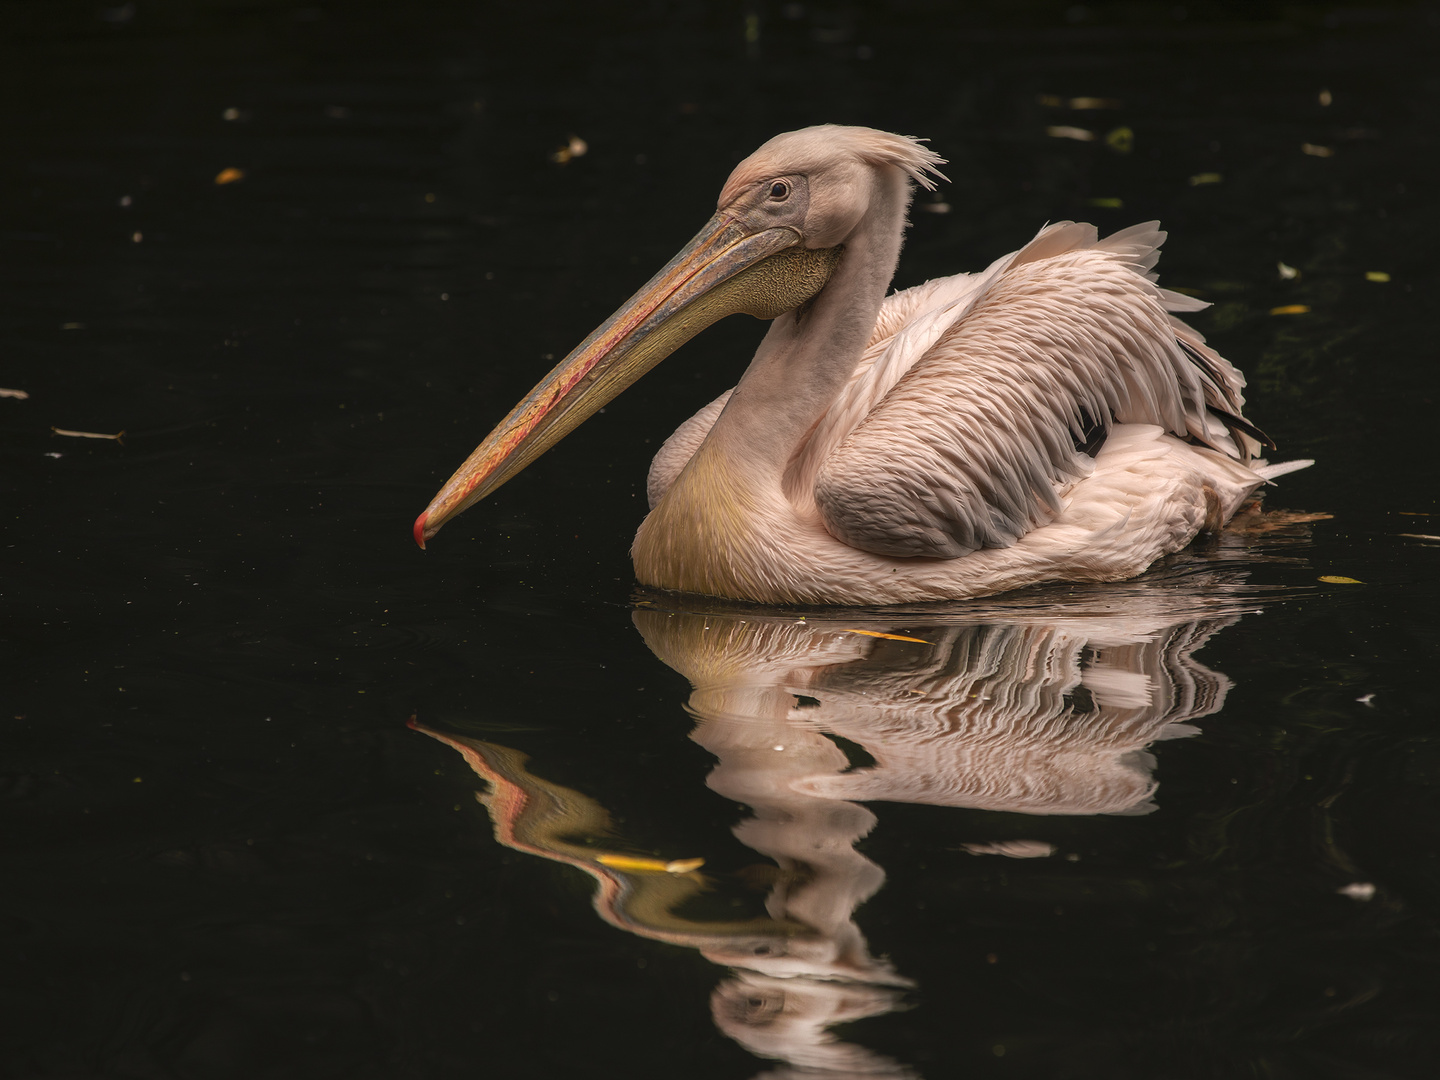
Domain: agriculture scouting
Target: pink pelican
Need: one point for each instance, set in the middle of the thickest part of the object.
(1047, 419)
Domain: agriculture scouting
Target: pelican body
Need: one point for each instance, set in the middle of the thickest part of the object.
(1046, 419)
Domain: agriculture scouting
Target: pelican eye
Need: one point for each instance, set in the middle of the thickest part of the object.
(779, 191)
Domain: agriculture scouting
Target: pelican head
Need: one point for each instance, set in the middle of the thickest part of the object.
(777, 236)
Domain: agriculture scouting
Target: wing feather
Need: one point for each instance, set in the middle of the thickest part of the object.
(961, 426)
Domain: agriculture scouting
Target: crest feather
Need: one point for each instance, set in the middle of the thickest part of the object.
(811, 150)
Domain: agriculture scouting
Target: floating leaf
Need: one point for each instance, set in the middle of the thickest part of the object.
(1014, 849)
(642, 865)
(1121, 140)
(1290, 309)
(1205, 178)
(1376, 275)
(888, 637)
(683, 866)
(229, 176)
(18, 394)
(119, 436)
(1065, 131)
(1287, 273)
(1337, 579)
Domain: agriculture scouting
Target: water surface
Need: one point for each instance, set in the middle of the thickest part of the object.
(1180, 827)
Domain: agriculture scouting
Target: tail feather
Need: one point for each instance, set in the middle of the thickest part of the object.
(1269, 472)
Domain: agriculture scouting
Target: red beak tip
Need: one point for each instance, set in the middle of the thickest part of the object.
(420, 530)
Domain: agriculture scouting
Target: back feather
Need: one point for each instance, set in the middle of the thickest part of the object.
(977, 392)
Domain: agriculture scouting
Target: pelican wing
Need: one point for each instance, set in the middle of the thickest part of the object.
(963, 427)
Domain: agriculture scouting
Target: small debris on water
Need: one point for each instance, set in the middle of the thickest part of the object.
(1376, 275)
(1054, 101)
(18, 395)
(1205, 178)
(1315, 150)
(1013, 849)
(1290, 309)
(1065, 131)
(1338, 579)
(1358, 890)
(576, 147)
(229, 176)
(1287, 273)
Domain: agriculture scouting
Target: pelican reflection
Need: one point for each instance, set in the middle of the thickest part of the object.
(1032, 707)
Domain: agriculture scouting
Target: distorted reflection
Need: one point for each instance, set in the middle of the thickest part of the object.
(1039, 706)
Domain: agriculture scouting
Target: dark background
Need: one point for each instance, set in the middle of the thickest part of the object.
(224, 852)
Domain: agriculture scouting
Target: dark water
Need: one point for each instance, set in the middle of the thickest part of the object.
(227, 852)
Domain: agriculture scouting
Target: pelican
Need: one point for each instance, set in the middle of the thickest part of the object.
(1047, 419)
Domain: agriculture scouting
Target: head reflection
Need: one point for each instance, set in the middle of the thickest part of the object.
(1045, 709)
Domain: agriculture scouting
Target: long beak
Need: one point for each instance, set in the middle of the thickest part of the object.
(727, 268)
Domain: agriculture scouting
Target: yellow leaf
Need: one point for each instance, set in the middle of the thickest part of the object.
(1290, 309)
(1376, 275)
(229, 176)
(643, 865)
(632, 862)
(1121, 140)
(888, 637)
(1336, 579)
